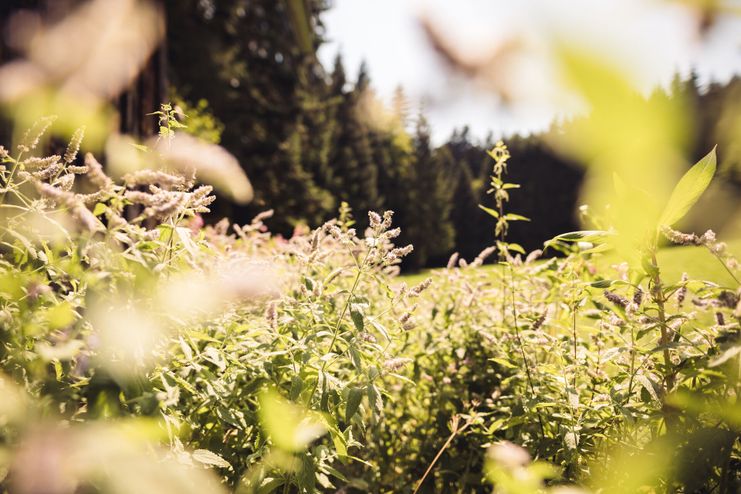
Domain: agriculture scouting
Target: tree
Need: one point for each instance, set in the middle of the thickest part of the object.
(430, 202)
(354, 171)
(255, 62)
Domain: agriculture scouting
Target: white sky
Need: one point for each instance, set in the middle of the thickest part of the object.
(651, 39)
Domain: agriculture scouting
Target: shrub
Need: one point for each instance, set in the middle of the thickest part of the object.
(140, 349)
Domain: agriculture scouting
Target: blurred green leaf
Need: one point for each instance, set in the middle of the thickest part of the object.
(689, 189)
(289, 426)
(490, 211)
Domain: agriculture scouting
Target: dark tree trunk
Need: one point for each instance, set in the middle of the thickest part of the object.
(147, 92)
(144, 96)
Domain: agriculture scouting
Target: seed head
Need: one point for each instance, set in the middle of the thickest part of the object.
(367, 337)
(32, 136)
(374, 218)
(387, 216)
(728, 299)
(483, 255)
(680, 238)
(720, 319)
(271, 314)
(154, 177)
(395, 364)
(74, 145)
(682, 292)
(96, 174)
(616, 299)
(533, 256)
(452, 261)
(414, 292)
(540, 320)
(35, 163)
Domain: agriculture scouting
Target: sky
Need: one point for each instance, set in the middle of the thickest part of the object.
(650, 39)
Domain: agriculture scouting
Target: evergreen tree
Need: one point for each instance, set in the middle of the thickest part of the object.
(354, 171)
(429, 214)
(400, 106)
(470, 235)
(255, 63)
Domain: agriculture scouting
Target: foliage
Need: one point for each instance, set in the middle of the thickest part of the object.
(116, 305)
(199, 119)
(141, 351)
(309, 139)
(305, 365)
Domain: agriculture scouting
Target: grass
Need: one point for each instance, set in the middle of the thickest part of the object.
(697, 262)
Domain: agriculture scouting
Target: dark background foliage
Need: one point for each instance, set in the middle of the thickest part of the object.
(300, 131)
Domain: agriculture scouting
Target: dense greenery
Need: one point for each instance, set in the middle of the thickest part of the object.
(307, 365)
(305, 132)
(144, 349)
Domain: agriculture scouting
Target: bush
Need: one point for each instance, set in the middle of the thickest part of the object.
(143, 352)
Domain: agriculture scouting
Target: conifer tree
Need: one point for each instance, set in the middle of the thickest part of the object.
(354, 171)
(429, 213)
(470, 236)
(255, 62)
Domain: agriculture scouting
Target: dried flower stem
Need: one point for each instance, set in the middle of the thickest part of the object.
(454, 422)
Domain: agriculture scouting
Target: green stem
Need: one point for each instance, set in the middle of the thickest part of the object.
(657, 293)
(338, 326)
(720, 260)
(522, 349)
(9, 182)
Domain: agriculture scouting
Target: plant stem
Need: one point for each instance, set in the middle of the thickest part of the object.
(9, 182)
(720, 260)
(632, 364)
(573, 327)
(440, 452)
(337, 327)
(522, 349)
(657, 293)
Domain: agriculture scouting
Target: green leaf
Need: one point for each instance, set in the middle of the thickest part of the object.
(515, 248)
(270, 485)
(210, 458)
(515, 217)
(601, 284)
(490, 211)
(340, 444)
(593, 236)
(689, 189)
(357, 317)
(297, 385)
(354, 398)
(503, 362)
(380, 328)
(374, 398)
(649, 386)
